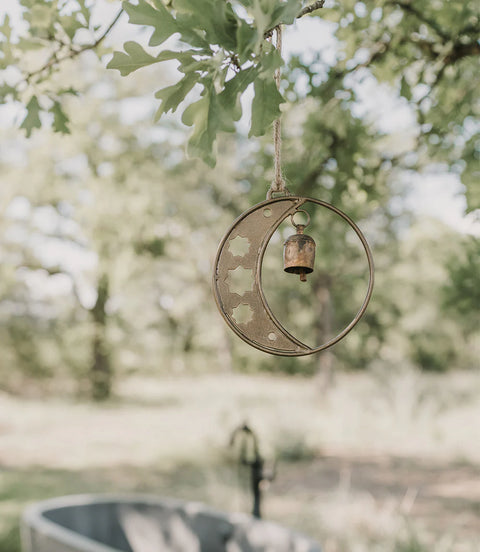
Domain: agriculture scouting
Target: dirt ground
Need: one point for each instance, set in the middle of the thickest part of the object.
(377, 464)
(440, 498)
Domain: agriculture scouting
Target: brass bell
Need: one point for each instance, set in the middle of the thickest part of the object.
(299, 253)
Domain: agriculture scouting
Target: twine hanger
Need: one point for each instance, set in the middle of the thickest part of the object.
(278, 185)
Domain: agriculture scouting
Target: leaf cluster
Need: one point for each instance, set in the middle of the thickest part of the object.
(461, 294)
(222, 50)
(51, 36)
(428, 53)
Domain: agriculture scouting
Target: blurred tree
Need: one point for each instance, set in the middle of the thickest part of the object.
(428, 52)
(461, 293)
(432, 335)
(134, 222)
(331, 154)
(120, 193)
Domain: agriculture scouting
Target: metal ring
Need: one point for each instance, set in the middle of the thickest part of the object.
(300, 211)
(371, 274)
(291, 205)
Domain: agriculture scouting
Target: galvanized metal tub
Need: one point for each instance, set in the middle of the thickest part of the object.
(145, 523)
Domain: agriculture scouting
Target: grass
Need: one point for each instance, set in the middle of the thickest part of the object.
(381, 463)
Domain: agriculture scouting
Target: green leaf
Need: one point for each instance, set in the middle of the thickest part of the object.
(229, 98)
(32, 119)
(7, 91)
(172, 96)
(6, 29)
(26, 44)
(472, 194)
(71, 25)
(265, 106)
(471, 175)
(268, 14)
(285, 12)
(183, 57)
(191, 64)
(159, 18)
(137, 58)
(60, 120)
(134, 58)
(68, 90)
(204, 117)
(41, 17)
(262, 11)
(247, 38)
(84, 10)
(215, 18)
(270, 62)
(191, 35)
(7, 57)
(405, 89)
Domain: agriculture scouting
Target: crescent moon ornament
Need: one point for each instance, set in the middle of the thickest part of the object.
(245, 308)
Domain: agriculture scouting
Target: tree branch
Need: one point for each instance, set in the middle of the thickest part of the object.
(305, 11)
(471, 28)
(311, 8)
(460, 51)
(408, 7)
(54, 60)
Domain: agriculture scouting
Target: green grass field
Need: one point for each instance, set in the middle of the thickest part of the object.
(377, 464)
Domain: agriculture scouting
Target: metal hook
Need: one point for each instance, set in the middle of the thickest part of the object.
(273, 194)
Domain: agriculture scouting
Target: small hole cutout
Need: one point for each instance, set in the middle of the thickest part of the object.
(240, 280)
(272, 336)
(239, 246)
(243, 314)
(267, 212)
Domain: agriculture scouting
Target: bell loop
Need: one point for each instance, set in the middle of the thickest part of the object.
(301, 224)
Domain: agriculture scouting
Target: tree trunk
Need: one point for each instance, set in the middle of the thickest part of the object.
(226, 351)
(101, 375)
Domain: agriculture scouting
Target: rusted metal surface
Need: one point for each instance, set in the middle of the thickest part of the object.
(299, 253)
(246, 311)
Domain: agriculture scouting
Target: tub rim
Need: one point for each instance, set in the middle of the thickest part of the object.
(33, 517)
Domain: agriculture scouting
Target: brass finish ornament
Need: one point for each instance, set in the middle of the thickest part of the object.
(299, 251)
(245, 309)
(237, 277)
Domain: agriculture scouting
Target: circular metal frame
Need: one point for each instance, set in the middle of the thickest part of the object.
(257, 257)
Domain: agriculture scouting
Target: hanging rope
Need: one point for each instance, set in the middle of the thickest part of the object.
(278, 184)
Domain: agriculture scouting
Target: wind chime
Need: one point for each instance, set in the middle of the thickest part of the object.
(254, 228)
